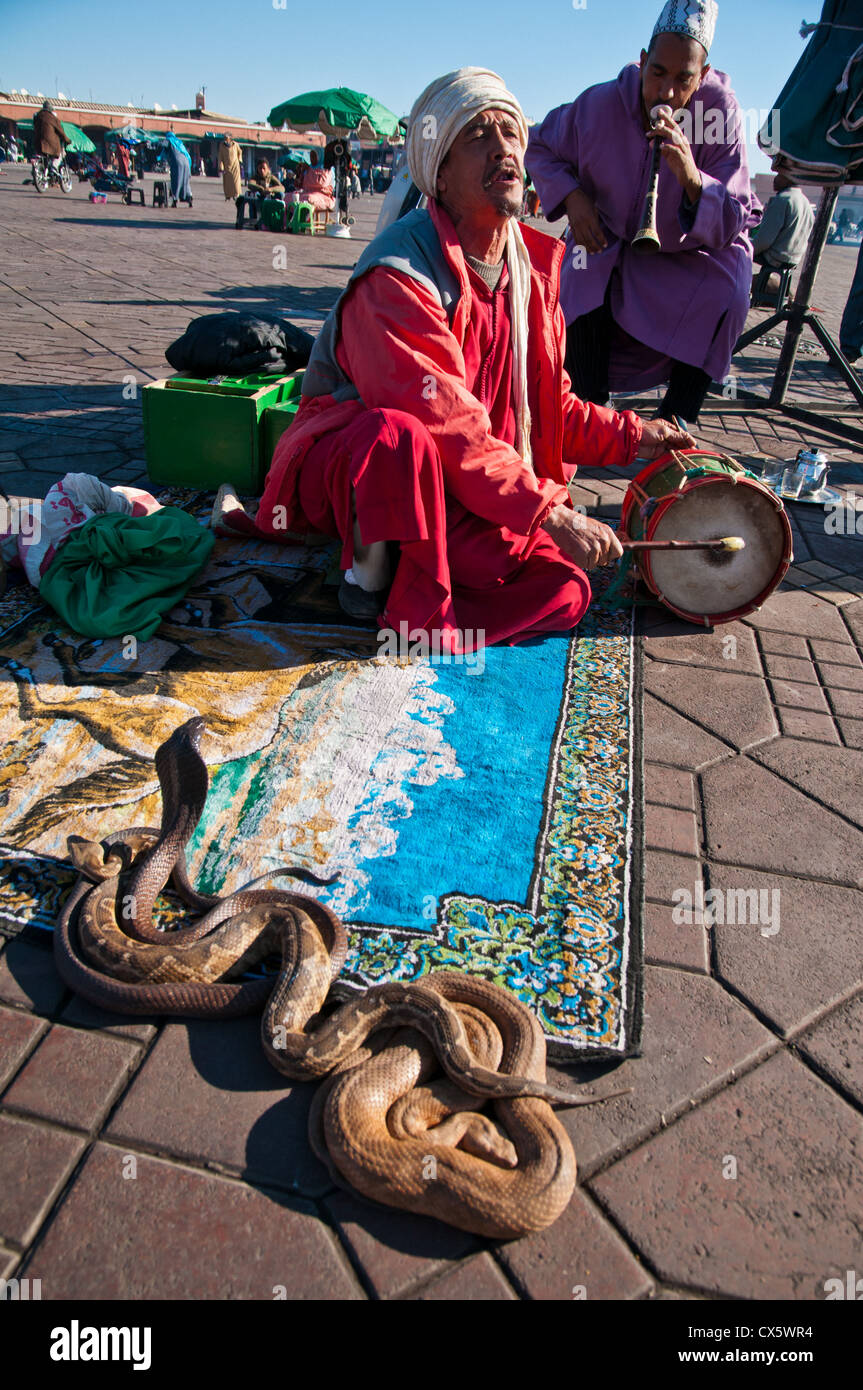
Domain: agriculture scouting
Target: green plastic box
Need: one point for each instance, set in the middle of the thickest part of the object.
(275, 420)
(201, 433)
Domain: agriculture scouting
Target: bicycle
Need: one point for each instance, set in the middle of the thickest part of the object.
(45, 173)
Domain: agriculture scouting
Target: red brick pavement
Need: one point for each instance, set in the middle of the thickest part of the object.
(112, 1131)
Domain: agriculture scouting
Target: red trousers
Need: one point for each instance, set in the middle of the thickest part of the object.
(457, 572)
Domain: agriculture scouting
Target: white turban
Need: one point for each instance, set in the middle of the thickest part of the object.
(693, 19)
(438, 115)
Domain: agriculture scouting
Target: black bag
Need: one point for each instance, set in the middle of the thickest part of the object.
(237, 344)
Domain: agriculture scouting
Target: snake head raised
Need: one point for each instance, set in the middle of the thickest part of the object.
(92, 859)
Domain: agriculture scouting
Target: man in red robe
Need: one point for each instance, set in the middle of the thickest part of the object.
(436, 413)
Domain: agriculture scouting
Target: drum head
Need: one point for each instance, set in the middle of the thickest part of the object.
(705, 583)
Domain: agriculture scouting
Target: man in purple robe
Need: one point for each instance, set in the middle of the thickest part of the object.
(634, 321)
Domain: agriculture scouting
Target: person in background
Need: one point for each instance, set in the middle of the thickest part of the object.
(180, 165)
(232, 174)
(262, 186)
(124, 165)
(781, 236)
(318, 187)
(49, 137)
(636, 321)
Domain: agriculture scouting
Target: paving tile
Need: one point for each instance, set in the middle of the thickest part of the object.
(846, 552)
(669, 786)
(79, 1013)
(665, 873)
(669, 738)
(794, 695)
(73, 1077)
(781, 644)
(785, 1224)
(580, 1257)
(832, 593)
(835, 1046)
(18, 1033)
(852, 614)
(797, 950)
(796, 577)
(800, 614)
(853, 583)
(395, 1249)
(696, 1036)
(808, 724)
(232, 1110)
(28, 978)
(813, 842)
(476, 1281)
(735, 708)
(841, 677)
(852, 732)
(35, 1161)
(731, 647)
(790, 668)
(847, 702)
(666, 942)
(831, 774)
(818, 568)
(670, 829)
(170, 1232)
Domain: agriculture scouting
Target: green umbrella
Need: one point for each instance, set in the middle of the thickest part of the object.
(77, 139)
(815, 128)
(336, 111)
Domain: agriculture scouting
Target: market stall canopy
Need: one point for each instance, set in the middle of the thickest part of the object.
(135, 136)
(298, 154)
(336, 112)
(77, 139)
(815, 130)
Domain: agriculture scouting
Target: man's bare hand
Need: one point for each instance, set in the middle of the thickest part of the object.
(584, 222)
(658, 436)
(586, 541)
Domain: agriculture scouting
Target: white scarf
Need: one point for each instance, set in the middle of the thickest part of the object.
(439, 114)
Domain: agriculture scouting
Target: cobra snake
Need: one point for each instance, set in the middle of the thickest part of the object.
(375, 1124)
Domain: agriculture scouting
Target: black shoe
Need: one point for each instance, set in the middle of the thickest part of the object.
(190, 202)
(361, 603)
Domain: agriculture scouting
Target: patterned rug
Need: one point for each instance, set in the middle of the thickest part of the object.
(483, 815)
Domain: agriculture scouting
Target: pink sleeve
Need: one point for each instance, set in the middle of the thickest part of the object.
(397, 348)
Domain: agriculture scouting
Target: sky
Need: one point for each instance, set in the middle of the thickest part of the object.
(252, 54)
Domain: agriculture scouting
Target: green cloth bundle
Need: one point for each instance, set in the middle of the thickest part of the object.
(116, 576)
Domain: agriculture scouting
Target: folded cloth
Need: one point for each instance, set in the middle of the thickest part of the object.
(116, 576)
(235, 344)
(68, 504)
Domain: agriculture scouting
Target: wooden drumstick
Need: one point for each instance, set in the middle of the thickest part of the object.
(722, 543)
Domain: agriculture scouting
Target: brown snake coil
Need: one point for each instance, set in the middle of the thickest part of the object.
(420, 1147)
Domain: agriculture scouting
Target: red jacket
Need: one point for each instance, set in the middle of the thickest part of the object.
(400, 350)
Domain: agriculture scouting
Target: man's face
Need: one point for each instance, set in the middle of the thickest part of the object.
(482, 177)
(672, 72)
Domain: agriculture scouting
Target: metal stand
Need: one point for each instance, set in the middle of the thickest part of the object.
(796, 317)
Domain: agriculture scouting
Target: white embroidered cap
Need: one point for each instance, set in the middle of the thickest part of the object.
(695, 19)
